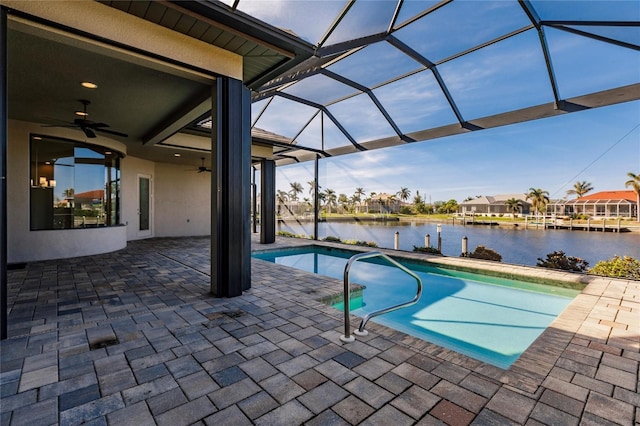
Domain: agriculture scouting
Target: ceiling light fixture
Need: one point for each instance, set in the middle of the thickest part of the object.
(177, 154)
(89, 85)
(82, 113)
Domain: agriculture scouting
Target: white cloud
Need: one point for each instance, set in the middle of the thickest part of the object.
(309, 19)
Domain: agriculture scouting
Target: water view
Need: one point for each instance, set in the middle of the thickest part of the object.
(515, 245)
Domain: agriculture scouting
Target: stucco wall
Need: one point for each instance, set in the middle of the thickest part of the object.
(182, 201)
(25, 245)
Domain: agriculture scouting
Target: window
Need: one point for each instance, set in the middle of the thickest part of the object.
(73, 184)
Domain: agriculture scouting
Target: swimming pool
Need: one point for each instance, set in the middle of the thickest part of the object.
(488, 318)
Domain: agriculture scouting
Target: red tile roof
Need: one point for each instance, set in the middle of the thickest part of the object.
(628, 195)
(96, 194)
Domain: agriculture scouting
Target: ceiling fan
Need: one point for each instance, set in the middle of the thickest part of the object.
(202, 167)
(87, 126)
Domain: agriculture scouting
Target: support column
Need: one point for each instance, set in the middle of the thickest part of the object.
(4, 142)
(267, 201)
(316, 204)
(254, 203)
(230, 188)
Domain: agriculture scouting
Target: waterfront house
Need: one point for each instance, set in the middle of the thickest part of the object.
(603, 204)
(383, 203)
(494, 204)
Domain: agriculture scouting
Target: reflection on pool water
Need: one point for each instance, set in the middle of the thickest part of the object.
(488, 318)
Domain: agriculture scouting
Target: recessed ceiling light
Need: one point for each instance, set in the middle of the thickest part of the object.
(89, 85)
(107, 152)
(177, 154)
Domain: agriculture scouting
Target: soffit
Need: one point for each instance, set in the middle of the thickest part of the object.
(264, 49)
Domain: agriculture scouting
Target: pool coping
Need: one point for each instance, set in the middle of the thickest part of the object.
(532, 369)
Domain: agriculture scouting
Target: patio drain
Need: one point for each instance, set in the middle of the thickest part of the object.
(103, 343)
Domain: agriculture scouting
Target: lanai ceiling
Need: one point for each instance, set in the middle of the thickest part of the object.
(334, 77)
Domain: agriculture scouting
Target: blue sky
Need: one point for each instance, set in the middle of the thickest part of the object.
(600, 146)
(484, 73)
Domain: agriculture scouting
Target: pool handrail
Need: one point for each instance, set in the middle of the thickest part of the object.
(347, 337)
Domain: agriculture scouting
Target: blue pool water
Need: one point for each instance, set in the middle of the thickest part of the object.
(488, 318)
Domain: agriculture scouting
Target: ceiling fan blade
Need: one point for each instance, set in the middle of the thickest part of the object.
(96, 125)
(112, 132)
(87, 131)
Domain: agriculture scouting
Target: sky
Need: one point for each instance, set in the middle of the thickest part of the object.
(599, 146)
(483, 78)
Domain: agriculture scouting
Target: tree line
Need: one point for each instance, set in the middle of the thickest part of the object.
(294, 202)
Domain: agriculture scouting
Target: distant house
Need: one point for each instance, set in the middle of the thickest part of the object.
(494, 204)
(89, 200)
(383, 203)
(611, 204)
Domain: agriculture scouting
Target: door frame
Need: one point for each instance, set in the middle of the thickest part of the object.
(147, 232)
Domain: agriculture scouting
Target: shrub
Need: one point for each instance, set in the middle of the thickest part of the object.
(406, 210)
(580, 216)
(360, 243)
(332, 239)
(618, 267)
(430, 250)
(290, 234)
(559, 260)
(481, 252)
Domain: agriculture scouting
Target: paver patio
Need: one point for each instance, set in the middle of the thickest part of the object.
(133, 337)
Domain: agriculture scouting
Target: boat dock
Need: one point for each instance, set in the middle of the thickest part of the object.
(591, 225)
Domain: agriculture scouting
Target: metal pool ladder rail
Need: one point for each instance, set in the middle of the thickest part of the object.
(347, 291)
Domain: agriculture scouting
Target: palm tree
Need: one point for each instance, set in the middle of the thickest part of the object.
(514, 205)
(312, 187)
(312, 192)
(331, 198)
(580, 189)
(282, 198)
(343, 202)
(404, 193)
(296, 189)
(539, 199)
(357, 196)
(634, 183)
(321, 198)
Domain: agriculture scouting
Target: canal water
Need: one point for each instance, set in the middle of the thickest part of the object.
(515, 245)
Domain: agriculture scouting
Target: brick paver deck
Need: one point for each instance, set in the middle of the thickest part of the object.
(133, 337)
